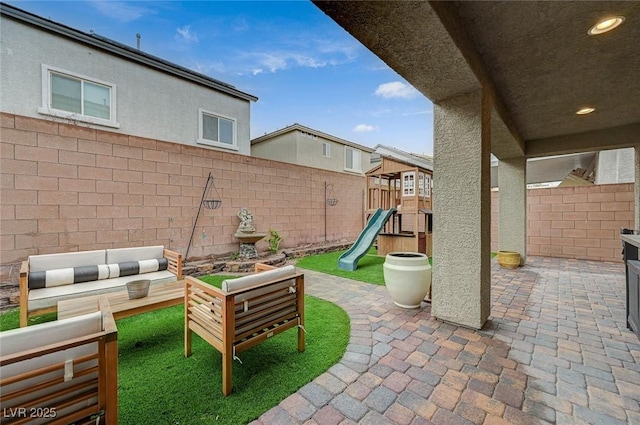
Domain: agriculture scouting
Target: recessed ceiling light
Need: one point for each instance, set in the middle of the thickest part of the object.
(585, 111)
(606, 25)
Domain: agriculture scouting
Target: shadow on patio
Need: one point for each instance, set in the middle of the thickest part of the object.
(555, 350)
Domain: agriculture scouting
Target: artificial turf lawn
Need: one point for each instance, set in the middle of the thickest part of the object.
(158, 385)
(369, 267)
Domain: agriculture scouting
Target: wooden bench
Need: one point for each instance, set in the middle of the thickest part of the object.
(245, 312)
(61, 372)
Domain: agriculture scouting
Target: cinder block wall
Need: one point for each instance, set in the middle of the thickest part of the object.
(70, 188)
(580, 222)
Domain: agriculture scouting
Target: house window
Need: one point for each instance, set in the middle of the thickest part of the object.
(326, 150)
(421, 185)
(409, 184)
(217, 130)
(77, 97)
(352, 160)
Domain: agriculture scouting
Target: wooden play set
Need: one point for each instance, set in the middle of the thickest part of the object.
(407, 186)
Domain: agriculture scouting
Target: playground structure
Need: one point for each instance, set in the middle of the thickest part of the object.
(349, 259)
(402, 182)
(398, 208)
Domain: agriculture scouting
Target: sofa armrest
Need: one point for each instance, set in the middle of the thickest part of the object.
(24, 294)
(175, 262)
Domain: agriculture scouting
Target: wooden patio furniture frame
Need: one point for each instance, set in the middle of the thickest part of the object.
(104, 388)
(231, 326)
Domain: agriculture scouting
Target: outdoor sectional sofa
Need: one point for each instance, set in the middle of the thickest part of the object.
(49, 278)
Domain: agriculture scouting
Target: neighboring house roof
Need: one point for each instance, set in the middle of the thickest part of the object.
(299, 127)
(122, 50)
(422, 161)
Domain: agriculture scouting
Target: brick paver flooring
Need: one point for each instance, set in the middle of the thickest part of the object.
(555, 350)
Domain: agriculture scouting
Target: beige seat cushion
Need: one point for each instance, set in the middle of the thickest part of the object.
(257, 279)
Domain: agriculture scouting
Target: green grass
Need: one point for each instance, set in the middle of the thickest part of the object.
(158, 385)
(369, 267)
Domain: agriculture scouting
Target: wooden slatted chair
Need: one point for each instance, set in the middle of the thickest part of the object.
(245, 312)
(61, 372)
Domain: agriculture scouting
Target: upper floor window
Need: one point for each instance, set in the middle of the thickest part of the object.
(326, 150)
(73, 96)
(352, 159)
(217, 130)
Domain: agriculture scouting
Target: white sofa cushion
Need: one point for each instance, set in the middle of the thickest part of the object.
(122, 255)
(26, 338)
(33, 337)
(256, 279)
(38, 263)
(48, 297)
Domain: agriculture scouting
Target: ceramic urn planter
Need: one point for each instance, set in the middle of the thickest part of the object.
(407, 276)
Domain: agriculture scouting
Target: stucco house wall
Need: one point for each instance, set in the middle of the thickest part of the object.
(301, 145)
(616, 166)
(281, 148)
(170, 114)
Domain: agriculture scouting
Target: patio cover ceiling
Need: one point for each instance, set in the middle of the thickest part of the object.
(535, 57)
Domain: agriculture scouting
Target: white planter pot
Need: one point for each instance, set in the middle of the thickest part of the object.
(407, 276)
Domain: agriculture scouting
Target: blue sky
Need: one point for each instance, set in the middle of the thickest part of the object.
(301, 65)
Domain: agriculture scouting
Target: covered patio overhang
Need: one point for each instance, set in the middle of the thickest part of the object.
(505, 78)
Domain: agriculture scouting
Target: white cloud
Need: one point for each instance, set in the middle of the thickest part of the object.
(185, 34)
(364, 128)
(424, 112)
(121, 11)
(209, 68)
(396, 89)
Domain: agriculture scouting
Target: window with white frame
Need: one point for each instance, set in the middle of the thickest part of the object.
(421, 185)
(428, 184)
(409, 183)
(326, 150)
(69, 95)
(352, 159)
(217, 130)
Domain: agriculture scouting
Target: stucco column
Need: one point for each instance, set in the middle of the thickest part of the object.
(512, 224)
(462, 210)
(636, 188)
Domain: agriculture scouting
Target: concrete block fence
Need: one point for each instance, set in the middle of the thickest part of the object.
(581, 222)
(70, 188)
(66, 188)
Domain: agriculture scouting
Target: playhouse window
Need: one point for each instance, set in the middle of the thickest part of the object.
(409, 184)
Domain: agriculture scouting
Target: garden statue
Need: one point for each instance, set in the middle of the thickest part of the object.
(246, 221)
(247, 235)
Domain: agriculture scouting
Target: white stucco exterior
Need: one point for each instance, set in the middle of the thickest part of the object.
(148, 102)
